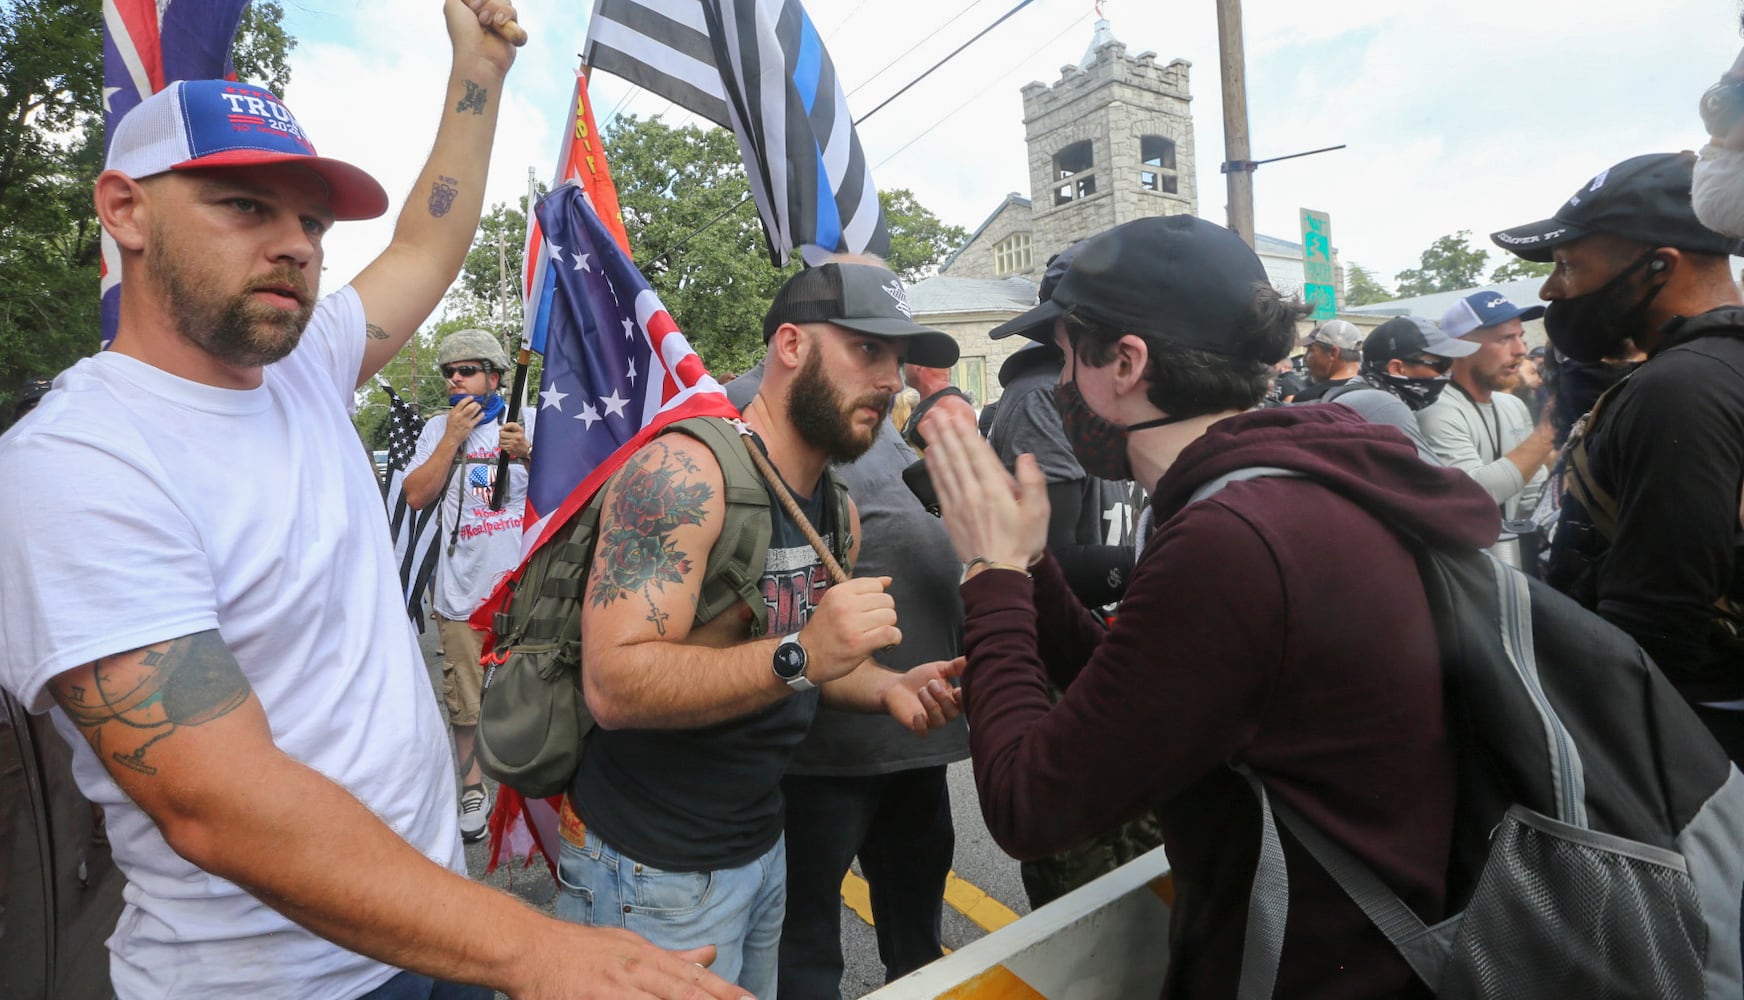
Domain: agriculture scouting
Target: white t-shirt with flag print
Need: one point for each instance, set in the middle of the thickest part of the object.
(487, 543)
(164, 507)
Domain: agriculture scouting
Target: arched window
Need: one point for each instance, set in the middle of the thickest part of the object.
(1157, 171)
(1011, 255)
(1072, 166)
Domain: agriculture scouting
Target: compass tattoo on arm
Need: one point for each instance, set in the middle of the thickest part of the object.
(128, 703)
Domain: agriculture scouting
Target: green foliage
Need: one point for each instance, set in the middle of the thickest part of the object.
(51, 72)
(262, 51)
(51, 150)
(1515, 269)
(1450, 264)
(1361, 288)
(482, 284)
(918, 239)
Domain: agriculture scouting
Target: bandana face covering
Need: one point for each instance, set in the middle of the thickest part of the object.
(492, 404)
(1416, 392)
(1592, 326)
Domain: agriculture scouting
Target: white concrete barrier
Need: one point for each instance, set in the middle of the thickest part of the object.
(1107, 941)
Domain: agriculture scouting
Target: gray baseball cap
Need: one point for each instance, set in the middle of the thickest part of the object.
(1335, 333)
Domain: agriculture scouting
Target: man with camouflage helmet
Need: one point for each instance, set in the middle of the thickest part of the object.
(455, 464)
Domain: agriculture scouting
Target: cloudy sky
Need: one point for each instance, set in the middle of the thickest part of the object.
(1477, 115)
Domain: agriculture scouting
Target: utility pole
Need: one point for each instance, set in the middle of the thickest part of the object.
(1237, 163)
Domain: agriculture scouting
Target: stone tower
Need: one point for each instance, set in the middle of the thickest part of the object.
(1111, 141)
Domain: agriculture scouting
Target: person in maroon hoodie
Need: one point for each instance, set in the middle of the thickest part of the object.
(1280, 623)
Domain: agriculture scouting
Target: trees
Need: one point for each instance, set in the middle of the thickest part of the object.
(1516, 268)
(1450, 263)
(1361, 288)
(918, 238)
(717, 281)
(51, 150)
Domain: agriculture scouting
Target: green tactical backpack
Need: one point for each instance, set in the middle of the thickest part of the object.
(533, 720)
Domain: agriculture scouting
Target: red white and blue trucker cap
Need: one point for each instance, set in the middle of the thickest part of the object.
(203, 124)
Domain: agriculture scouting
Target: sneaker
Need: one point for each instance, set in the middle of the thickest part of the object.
(474, 813)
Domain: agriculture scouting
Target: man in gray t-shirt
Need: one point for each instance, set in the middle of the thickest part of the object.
(861, 784)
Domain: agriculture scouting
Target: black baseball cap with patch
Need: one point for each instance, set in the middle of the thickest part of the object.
(864, 298)
(1644, 198)
(1406, 337)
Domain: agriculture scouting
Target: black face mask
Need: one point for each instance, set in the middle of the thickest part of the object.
(1098, 444)
(1592, 326)
(1415, 391)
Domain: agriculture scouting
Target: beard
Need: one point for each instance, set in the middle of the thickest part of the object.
(238, 330)
(823, 419)
(1717, 192)
(1497, 380)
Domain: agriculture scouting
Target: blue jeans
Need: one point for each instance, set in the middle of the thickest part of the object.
(738, 910)
(412, 986)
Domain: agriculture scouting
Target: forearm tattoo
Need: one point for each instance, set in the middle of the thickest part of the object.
(375, 332)
(131, 702)
(636, 553)
(475, 99)
(442, 194)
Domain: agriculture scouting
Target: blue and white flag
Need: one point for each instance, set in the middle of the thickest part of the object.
(781, 97)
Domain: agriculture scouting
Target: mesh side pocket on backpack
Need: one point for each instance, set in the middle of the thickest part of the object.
(1562, 911)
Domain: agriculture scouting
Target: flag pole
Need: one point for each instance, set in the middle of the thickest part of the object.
(523, 359)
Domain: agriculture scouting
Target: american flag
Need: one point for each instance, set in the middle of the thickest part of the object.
(147, 44)
(417, 533)
(617, 372)
(759, 68)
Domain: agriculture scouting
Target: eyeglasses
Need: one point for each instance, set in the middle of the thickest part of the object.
(1722, 106)
(464, 371)
(1441, 365)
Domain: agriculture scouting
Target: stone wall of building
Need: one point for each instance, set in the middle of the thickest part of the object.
(1112, 103)
(977, 260)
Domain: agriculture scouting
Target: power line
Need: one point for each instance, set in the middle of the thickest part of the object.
(1002, 19)
(667, 252)
(929, 37)
(980, 93)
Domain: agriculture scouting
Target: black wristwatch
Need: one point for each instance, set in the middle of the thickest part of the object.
(789, 663)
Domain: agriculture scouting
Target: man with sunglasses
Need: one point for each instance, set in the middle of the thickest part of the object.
(455, 464)
(1649, 532)
(1405, 365)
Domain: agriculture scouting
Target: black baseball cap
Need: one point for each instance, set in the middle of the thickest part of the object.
(865, 298)
(1174, 277)
(1408, 336)
(1644, 198)
(1041, 330)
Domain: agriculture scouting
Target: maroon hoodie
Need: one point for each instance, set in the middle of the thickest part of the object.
(1280, 623)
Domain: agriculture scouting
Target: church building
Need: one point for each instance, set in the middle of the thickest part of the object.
(1109, 142)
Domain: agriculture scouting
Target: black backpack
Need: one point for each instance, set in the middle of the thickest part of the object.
(1598, 845)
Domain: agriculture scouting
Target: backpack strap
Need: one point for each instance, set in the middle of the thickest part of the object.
(1600, 505)
(1424, 948)
(735, 564)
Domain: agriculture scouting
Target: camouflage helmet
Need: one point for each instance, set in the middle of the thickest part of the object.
(468, 345)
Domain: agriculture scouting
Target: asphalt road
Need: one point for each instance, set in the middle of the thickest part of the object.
(984, 893)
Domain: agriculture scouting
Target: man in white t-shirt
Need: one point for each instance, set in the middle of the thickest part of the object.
(201, 589)
(1478, 425)
(455, 464)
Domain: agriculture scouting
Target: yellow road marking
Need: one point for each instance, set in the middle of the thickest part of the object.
(982, 910)
(997, 983)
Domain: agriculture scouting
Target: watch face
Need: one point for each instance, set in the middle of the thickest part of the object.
(790, 660)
